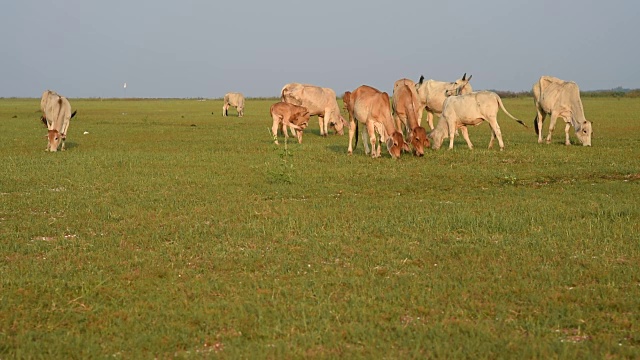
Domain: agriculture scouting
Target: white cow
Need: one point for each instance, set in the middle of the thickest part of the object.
(432, 94)
(56, 115)
(233, 99)
(319, 101)
(469, 109)
(560, 98)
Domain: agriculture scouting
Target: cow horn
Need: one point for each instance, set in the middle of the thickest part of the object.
(464, 76)
(470, 76)
(421, 79)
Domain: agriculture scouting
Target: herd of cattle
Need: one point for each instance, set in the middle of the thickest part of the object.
(396, 123)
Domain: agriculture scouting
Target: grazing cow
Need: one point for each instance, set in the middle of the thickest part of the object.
(405, 113)
(319, 101)
(560, 98)
(371, 107)
(285, 114)
(56, 115)
(470, 109)
(432, 94)
(233, 99)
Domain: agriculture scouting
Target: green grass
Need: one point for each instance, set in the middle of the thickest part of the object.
(170, 231)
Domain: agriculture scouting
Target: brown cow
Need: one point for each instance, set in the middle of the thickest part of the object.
(294, 116)
(56, 114)
(405, 113)
(319, 101)
(371, 107)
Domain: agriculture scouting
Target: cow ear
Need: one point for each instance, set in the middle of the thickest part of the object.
(405, 147)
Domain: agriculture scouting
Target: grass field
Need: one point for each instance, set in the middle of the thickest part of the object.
(170, 231)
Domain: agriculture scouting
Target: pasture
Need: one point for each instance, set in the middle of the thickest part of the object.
(170, 231)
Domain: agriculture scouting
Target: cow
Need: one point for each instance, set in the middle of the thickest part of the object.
(319, 101)
(233, 99)
(559, 98)
(371, 107)
(469, 109)
(56, 115)
(405, 109)
(432, 94)
(288, 115)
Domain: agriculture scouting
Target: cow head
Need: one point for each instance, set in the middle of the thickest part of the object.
(338, 125)
(395, 144)
(459, 87)
(438, 134)
(301, 121)
(54, 138)
(583, 132)
(419, 140)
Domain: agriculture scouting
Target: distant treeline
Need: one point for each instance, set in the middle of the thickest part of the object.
(617, 93)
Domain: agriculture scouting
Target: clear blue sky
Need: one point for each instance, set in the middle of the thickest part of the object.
(198, 48)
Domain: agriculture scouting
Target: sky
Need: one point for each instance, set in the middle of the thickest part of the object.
(204, 48)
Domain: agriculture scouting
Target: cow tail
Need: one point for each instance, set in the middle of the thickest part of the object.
(506, 112)
(535, 125)
(73, 114)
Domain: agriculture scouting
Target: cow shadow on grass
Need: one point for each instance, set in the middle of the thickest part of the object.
(338, 148)
(68, 145)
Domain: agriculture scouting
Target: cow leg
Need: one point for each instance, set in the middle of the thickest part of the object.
(398, 122)
(352, 132)
(375, 145)
(552, 125)
(495, 128)
(430, 119)
(323, 129)
(452, 132)
(567, 127)
(365, 141)
(465, 134)
(274, 128)
(240, 111)
(540, 120)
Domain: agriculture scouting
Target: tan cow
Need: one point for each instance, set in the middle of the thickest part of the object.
(405, 113)
(469, 109)
(56, 115)
(319, 101)
(432, 94)
(288, 115)
(560, 98)
(233, 99)
(371, 107)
